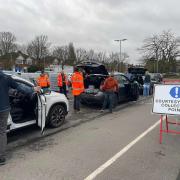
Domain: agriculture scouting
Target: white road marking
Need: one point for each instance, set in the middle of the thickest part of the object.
(120, 153)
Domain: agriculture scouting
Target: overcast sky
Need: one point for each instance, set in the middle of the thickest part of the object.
(91, 23)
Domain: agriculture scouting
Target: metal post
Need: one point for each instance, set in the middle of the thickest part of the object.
(120, 58)
(160, 130)
(119, 62)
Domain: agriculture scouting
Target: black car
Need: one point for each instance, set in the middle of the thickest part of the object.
(95, 74)
(138, 74)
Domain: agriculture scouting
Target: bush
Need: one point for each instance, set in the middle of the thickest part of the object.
(33, 68)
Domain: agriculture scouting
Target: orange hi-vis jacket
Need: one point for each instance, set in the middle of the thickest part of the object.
(43, 81)
(60, 80)
(77, 83)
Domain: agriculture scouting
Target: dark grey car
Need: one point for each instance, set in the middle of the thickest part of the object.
(95, 74)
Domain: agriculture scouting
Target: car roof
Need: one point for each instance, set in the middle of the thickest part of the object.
(89, 63)
(19, 79)
(137, 70)
(118, 73)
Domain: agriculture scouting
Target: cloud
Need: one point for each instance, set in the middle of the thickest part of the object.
(90, 23)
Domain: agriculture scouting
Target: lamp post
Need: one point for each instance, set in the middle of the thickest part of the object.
(119, 40)
(44, 61)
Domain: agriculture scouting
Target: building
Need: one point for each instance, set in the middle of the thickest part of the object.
(16, 60)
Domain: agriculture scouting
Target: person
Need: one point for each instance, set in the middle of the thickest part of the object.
(62, 83)
(128, 75)
(7, 82)
(109, 87)
(147, 82)
(77, 88)
(43, 81)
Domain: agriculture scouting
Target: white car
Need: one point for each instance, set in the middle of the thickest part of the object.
(42, 109)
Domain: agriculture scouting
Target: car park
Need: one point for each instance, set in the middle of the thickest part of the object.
(43, 109)
(95, 74)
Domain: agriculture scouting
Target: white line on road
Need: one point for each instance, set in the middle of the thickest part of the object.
(120, 153)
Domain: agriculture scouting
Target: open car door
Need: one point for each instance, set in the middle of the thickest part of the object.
(41, 112)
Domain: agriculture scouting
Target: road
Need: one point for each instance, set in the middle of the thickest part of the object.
(78, 152)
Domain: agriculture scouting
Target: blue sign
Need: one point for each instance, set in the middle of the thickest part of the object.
(175, 92)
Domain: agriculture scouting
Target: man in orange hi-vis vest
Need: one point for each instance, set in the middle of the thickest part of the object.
(62, 83)
(77, 88)
(43, 81)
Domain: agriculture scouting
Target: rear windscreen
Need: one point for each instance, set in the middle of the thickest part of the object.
(137, 71)
(94, 69)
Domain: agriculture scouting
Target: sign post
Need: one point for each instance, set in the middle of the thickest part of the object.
(166, 102)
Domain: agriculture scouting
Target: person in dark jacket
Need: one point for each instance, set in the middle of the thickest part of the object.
(7, 82)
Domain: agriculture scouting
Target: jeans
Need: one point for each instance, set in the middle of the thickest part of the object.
(62, 90)
(77, 102)
(3, 136)
(146, 88)
(108, 99)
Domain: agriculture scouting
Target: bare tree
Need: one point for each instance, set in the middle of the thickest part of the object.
(39, 47)
(124, 57)
(114, 61)
(7, 42)
(91, 55)
(162, 48)
(71, 54)
(22, 48)
(101, 57)
(62, 54)
(81, 55)
(169, 46)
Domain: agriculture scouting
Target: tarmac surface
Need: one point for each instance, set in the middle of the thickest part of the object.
(77, 152)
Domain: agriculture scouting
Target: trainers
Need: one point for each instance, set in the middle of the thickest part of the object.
(2, 161)
(102, 110)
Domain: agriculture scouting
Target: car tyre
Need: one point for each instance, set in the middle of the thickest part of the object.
(56, 116)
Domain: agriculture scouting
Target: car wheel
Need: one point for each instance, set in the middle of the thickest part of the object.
(56, 116)
(136, 97)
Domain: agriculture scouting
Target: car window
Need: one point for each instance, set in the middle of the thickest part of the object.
(26, 87)
(117, 77)
(124, 80)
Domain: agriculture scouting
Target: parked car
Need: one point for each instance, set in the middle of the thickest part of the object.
(48, 108)
(156, 78)
(95, 74)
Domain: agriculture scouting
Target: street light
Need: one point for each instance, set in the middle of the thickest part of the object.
(119, 40)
